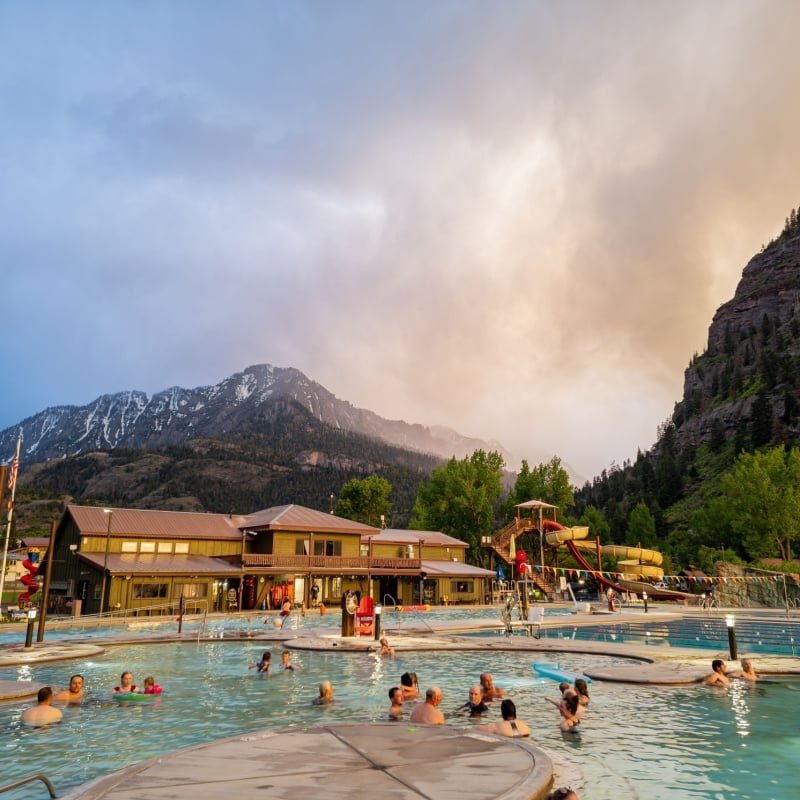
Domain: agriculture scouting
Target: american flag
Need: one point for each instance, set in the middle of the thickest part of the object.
(12, 474)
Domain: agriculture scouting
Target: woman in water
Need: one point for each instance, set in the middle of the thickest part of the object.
(126, 684)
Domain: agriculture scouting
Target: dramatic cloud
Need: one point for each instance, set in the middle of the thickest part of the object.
(513, 219)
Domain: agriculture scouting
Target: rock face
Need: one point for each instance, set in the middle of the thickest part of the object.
(752, 355)
(135, 421)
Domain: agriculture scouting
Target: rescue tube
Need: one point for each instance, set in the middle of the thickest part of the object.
(549, 669)
(414, 608)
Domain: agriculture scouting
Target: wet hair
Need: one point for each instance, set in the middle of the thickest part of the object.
(716, 664)
(76, 675)
(571, 703)
(122, 677)
(561, 793)
(581, 687)
(562, 686)
(508, 710)
(44, 694)
(266, 656)
(394, 691)
(149, 681)
(409, 679)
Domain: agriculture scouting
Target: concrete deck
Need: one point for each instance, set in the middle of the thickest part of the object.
(395, 761)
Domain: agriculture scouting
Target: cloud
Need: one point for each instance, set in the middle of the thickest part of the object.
(517, 221)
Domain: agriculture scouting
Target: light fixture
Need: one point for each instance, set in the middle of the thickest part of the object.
(730, 622)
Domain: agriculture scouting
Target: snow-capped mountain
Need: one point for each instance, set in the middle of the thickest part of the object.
(133, 420)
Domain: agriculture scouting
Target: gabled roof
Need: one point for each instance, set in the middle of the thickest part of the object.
(298, 518)
(92, 520)
(399, 536)
(35, 541)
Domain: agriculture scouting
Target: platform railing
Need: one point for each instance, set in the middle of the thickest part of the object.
(22, 781)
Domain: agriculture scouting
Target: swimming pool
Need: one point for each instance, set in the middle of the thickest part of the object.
(637, 742)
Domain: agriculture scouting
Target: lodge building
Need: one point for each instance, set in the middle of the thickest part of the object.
(139, 559)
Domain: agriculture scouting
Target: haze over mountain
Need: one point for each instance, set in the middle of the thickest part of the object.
(132, 420)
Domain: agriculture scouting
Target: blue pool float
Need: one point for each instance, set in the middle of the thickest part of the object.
(549, 669)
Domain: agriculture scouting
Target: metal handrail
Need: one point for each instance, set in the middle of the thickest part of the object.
(22, 781)
(173, 607)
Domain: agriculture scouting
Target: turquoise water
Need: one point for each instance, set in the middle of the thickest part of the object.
(637, 742)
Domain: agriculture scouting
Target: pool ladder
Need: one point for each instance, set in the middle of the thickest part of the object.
(22, 781)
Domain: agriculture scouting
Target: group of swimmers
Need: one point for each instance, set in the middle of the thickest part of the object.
(127, 686)
(265, 663)
(721, 677)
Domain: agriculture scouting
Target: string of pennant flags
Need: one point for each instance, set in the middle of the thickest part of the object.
(572, 572)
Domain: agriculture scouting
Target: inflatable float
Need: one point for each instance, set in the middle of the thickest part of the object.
(135, 696)
(549, 669)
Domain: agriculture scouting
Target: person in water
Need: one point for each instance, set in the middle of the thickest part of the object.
(385, 650)
(286, 662)
(475, 705)
(428, 713)
(582, 691)
(265, 664)
(397, 698)
(568, 708)
(42, 713)
(151, 687)
(325, 694)
(410, 685)
(509, 726)
(746, 673)
(126, 684)
(718, 676)
(489, 691)
(75, 692)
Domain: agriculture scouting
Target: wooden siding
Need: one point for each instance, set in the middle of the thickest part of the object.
(306, 563)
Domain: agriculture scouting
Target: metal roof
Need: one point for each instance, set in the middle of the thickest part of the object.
(92, 520)
(160, 564)
(399, 536)
(454, 569)
(534, 504)
(298, 518)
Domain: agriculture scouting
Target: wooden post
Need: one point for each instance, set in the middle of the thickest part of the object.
(48, 571)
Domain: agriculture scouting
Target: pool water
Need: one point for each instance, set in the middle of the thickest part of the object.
(637, 741)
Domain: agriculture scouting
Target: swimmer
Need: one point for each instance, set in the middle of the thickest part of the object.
(582, 691)
(75, 692)
(475, 705)
(488, 690)
(286, 607)
(286, 662)
(428, 713)
(409, 685)
(126, 684)
(510, 725)
(42, 713)
(385, 650)
(325, 694)
(746, 673)
(718, 677)
(397, 698)
(569, 711)
(265, 665)
(563, 793)
(151, 687)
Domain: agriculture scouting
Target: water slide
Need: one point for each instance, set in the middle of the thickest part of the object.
(29, 579)
(634, 563)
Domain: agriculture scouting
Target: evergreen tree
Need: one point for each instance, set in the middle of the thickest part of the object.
(761, 420)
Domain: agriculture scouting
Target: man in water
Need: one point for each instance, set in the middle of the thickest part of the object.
(42, 713)
(428, 713)
(75, 692)
(475, 704)
(488, 690)
(718, 677)
(746, 673)
(510, 725)
(397, 697)
(325, 694)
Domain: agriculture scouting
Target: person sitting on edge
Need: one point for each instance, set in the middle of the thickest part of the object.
(151, 687)
(397, 698)
(126, 684)
(410, 685)
(428, 713)
(718, 677)
(42, 713)
(75, 692)
(325, 694)
(510, 725)
(385, 650)
(746, 673)
(488, 690)
(286, 661)
(265, 665)
(475, 704)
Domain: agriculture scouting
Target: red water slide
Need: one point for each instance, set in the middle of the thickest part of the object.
(29, 580)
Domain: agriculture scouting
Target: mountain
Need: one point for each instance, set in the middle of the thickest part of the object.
(132, 420)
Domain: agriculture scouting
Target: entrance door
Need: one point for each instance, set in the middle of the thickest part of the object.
(388, 586)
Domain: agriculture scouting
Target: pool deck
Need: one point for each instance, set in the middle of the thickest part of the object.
(386, 760)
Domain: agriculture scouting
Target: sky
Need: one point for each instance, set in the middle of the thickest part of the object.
(516, 219)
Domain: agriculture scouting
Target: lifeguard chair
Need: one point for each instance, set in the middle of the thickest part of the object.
(365, 617)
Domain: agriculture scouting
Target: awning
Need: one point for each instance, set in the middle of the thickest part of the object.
(161, 564)
(454, 569)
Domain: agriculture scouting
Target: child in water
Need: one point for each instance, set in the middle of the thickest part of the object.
(265, 665)
(151, 687)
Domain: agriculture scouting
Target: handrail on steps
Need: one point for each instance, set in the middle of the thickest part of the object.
(22, 781)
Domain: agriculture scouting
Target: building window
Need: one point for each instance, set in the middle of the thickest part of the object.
(301, 547)
(190, 591)
(129, 547)
(462, 587)
(147, 547)
(165, 547)
(364, 549)
(181, 547)
(149, 591)
(327, 547)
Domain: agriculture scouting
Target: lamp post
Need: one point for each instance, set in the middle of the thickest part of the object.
(644, 600)
(730, 622)
(105, 559)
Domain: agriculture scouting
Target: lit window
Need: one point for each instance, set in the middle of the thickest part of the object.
(165, 547)
(181, 547)
(129, 547)
(147, 547)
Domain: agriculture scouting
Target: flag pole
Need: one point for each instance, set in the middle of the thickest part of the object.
(12, 484)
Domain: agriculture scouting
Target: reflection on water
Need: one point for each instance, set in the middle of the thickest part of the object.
(637, 741)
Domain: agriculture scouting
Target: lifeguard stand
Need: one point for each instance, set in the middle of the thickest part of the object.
(365, 617)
